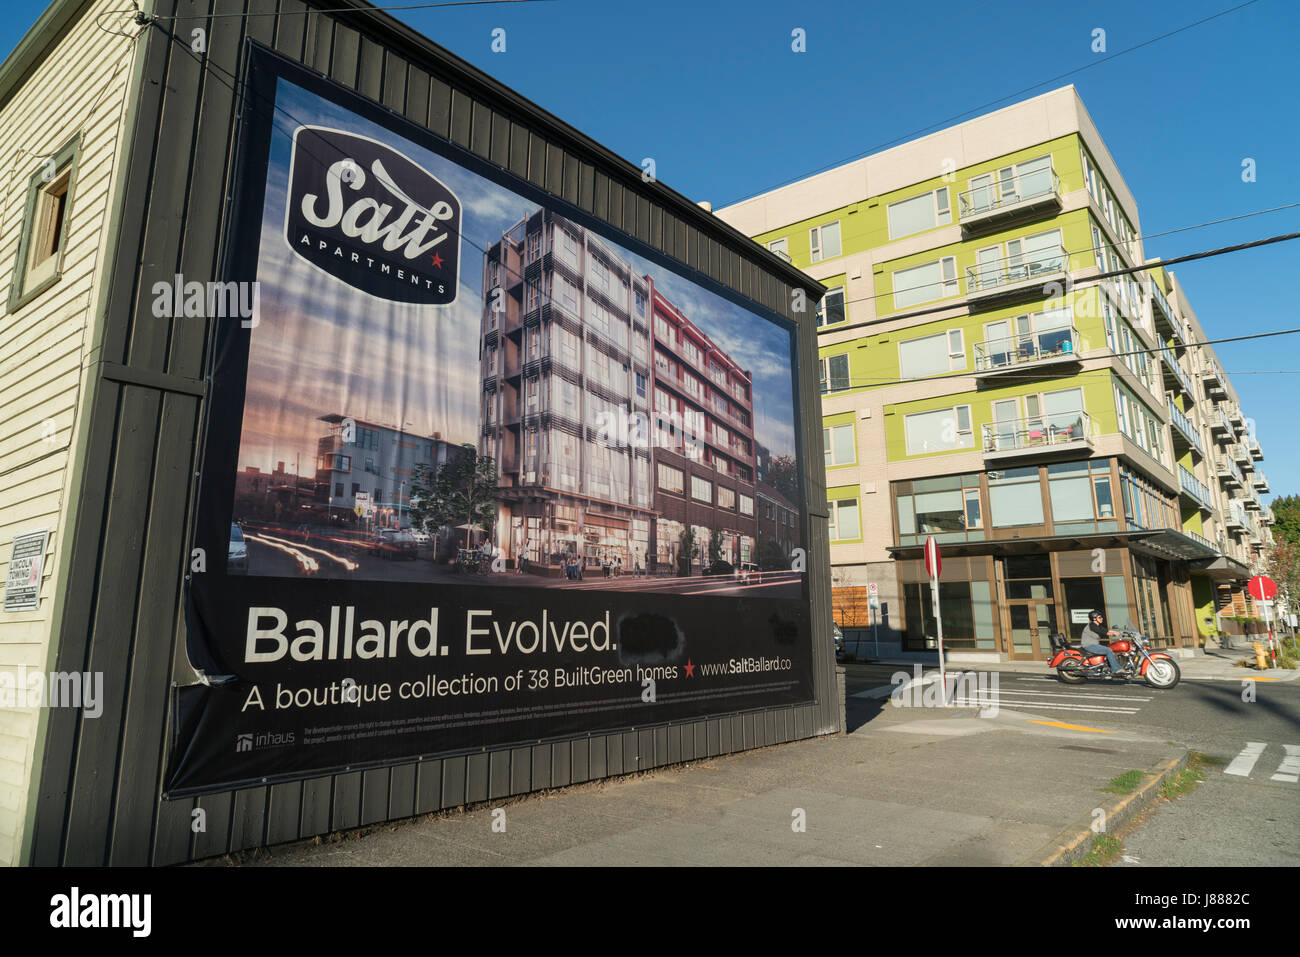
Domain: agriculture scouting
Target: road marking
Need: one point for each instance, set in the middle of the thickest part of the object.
(1072, 727)
(1289, 769)
(988, 703)
(1244, 762)
(1094, 696)
(883, 691)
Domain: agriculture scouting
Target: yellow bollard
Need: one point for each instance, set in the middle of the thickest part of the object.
(1260, 661)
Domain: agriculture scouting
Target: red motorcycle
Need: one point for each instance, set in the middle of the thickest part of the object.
(1075, 666)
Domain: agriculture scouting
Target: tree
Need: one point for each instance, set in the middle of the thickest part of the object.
(769, 554)
(1283, 566)
(783, 475)
(715, 546)
(687, 550)
(463, 491)
(1286, 515)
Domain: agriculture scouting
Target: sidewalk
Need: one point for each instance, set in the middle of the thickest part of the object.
(908, 787)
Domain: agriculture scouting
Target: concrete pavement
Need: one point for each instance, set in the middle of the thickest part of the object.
(910, 786)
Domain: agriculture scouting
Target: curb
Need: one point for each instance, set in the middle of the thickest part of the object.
(1074, 843)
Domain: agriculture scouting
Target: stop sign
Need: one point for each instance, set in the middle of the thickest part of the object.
(1262, 588)
(933, 560)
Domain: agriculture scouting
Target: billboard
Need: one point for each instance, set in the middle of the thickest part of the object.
(478, 469)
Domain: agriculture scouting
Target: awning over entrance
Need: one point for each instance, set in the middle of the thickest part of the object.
(1162, 543)
(1222, 569)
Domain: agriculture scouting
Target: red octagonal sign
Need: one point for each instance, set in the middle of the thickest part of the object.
(1262, 588)
(933, 561)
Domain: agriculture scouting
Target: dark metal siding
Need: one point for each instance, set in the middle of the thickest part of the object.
(99, 795)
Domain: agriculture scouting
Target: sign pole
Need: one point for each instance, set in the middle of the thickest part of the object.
(934, 565)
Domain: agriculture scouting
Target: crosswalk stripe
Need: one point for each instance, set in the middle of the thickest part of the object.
(1244, 762)
(1289, 769)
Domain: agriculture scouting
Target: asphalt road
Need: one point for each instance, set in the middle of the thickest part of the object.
(1245, 813)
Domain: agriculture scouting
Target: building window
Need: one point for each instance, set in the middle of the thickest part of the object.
(1015, 497)
(824, 241)
(44, 233)
(919, 213)
(835, 373)
(925, 283)
(831, 309)
(844, 520)
(781, 247)
(701, 489)
(932, 355)
(747, 505)
(941, 430)
(726, 497)
(338, 489)
(840, 446)
(670, 479)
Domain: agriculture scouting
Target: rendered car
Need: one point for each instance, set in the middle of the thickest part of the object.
(237, 556)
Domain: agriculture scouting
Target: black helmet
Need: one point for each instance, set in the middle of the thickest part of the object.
(1096, 614)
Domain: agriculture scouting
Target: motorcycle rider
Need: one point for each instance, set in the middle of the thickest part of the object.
(1090, 641)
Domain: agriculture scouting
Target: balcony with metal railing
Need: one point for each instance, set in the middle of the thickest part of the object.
(1251, 501)
(1013, 197)
(1260, 481)
(1256, 453)
(1183, 428)
(1212, 377)
(1163, 313)
(1240, 455)
(1195, 489)
(1235, 418)
(1234, 518)
(1266, 515)
(1048, 348)
(1045, 436)
(1227, 471)
(1176, 375)
(1220, 427)
(1014, 276)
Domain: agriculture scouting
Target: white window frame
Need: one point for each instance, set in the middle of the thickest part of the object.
(828, 439)
(956, 359)
(956, 412)
(781, 245)
(942, 213)
(946, 287)
(701, 483)
(821, 307)
(816, 246)
(833, 512)
(824, 361)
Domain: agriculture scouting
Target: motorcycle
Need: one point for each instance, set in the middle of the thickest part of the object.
(1074, 666)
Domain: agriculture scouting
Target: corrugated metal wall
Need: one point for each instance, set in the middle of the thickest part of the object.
(101, 779)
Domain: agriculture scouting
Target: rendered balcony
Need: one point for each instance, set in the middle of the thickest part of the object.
(1237, 420)
(1195, 490)
(1174, 374)
(1015, 276)
(1021, 196)
(1043, 436)
(1228, 472)
(1256, 453)
(1252, 502)
(1266, 515)
(1046, 351)
(1260, 481)
(1183, 430)
(1241, 456)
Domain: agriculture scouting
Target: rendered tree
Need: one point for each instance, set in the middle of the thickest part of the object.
(783, 475)
(715, 546)
(687, 550)
(464, 490)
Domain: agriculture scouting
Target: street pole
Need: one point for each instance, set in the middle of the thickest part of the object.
(938, 624)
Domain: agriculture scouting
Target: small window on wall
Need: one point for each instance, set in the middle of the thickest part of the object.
(824, 241)
(45, 218)
(835, 373)
(839, 444)
(844, 524)
(831, 309)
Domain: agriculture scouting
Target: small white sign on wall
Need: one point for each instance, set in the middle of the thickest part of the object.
(1079, 616)
(26, 562)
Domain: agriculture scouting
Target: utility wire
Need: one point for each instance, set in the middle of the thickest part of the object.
(1001, 99)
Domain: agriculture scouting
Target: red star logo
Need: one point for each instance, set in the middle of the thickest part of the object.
(690, 669)
(437, 261)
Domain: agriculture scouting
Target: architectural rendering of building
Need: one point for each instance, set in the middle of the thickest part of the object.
(610, 439)
(1003, 368)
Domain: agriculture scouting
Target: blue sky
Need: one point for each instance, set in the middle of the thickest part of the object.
(714, 93)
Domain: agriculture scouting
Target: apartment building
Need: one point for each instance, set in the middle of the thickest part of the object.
(992, 376)
(379, 462)
(704, 445)
(611, 441)
(565, 362)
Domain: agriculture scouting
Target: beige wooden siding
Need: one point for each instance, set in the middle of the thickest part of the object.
(79, 87)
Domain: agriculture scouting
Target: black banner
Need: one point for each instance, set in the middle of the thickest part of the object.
(478, 470)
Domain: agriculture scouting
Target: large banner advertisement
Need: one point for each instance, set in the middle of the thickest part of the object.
(477, 469)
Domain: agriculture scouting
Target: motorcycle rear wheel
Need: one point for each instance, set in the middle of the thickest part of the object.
(1069, 673)
(1163, 673)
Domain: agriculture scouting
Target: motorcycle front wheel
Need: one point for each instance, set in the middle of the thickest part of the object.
(1068, 672)
(1163, 673)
